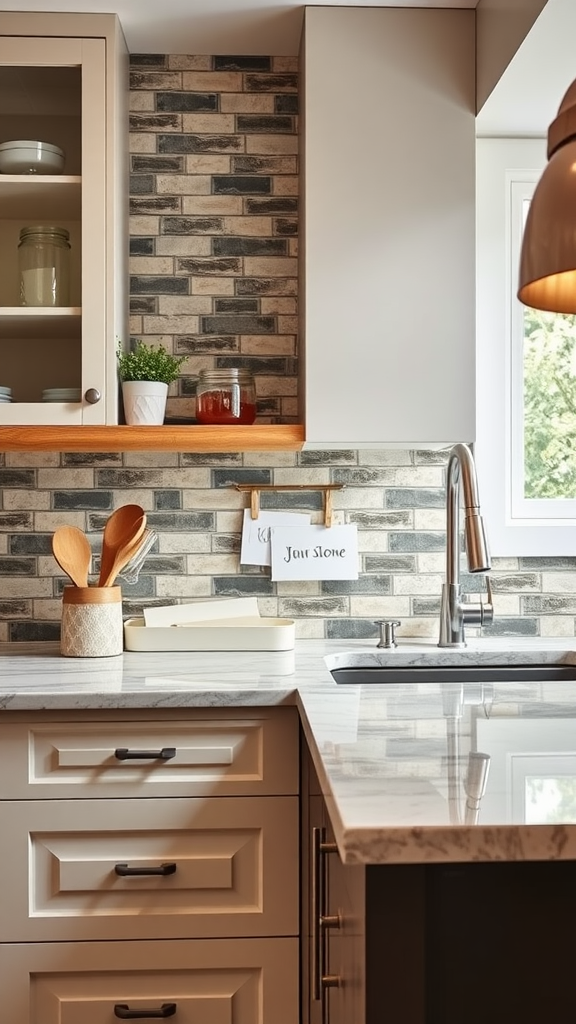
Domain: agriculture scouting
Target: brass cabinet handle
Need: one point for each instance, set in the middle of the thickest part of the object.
(320, 920)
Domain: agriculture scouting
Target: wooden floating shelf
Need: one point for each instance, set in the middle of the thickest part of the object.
(259, 437)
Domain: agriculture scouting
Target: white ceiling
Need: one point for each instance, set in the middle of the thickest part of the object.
(523, 103)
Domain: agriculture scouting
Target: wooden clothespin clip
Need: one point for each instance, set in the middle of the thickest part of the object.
(254, 503)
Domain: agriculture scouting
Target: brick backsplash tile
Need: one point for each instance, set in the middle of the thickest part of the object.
(214, 265)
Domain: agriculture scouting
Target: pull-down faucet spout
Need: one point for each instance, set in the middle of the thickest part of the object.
(454, 613)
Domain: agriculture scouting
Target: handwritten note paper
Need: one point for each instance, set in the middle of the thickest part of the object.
(255, 548)
(314, 553)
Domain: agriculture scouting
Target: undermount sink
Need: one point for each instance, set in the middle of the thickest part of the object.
(454, 673)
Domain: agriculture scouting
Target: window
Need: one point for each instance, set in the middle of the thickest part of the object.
(525, 372)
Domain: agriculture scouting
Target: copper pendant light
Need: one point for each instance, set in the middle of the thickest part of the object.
(548, 258)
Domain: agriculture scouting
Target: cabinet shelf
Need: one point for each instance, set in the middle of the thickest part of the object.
(258, 437)
(47, 322)
(27, 197)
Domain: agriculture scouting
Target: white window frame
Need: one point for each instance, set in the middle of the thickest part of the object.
(507, 172)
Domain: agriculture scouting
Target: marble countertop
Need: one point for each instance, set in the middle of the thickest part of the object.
(396, 761)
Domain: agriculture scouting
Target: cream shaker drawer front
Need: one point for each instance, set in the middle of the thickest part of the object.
(125, 869)
(256, 754)
(246, 981)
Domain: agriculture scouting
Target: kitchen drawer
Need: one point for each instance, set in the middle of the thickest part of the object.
(189, 753)
(230, 868)
(223, 981)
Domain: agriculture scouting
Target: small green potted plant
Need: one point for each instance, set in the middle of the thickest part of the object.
(145, 373)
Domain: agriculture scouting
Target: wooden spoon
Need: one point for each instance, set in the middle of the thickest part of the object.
(124, 553)
(123, 529)
(72, 551)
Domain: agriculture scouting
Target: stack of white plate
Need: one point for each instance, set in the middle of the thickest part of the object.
(27, 156)
(5, 394)
(61, 395)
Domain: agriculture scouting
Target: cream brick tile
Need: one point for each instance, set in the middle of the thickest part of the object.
(246, 103)
(505, 564)
(378, 607)
(3, 543)
(275, 144)
(141, 142)
(184, 245)
(25, 587)
(135, 324)
(151, 265)
(268, 607)
(559, 582)
(429, 519)
(141, 101)
(298, 588)
(212, 81)
(184, 543)
(199, 205)
(421, 476)
(183, 62)
(285, 64)
(435, 562)
(505, 604)
(418, 627)
(361, 498)
(212, 564)
(153, 459)
(309, 629)
(47, 611)
(268, 344)
(557, 625)
(31, 460)
(213, 499)
(229, 522)
(372, 541)
(183, 184)
(266, 386)
(288, 324)
(290, 409)
(278, 304)
(208, 163)
(22, 499)
(177, 324)
(183, 586)
(260, 227)
(384, 457)
(48, 566)
(4, 636)
(271, 266)
(418, 585)
(212, 285)
(285, 185)
(293, 247)
(184, 305)
(280, 460)
(66, 479)
(144, 225)
(301, 475)
(208, 124)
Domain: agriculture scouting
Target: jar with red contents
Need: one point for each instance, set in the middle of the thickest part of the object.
(225, 396)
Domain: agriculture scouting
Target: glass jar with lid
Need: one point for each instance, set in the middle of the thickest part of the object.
(225, 396)
(43, 255)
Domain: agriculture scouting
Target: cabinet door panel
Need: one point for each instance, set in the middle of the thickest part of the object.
(215, 756)
(230, 867)
(246, 981)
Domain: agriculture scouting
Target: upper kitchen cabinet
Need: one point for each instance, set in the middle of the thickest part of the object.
(63, 81)
(387, 289)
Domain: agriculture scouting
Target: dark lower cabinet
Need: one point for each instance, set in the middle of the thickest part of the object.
(479, 943)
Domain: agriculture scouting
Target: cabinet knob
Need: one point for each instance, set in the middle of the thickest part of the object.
(92, 396)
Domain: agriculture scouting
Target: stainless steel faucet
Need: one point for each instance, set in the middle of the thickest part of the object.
(454, 612)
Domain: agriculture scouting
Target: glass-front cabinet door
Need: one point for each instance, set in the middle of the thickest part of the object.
(54, 307)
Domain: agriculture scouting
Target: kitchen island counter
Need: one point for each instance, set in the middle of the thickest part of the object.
(393, 760)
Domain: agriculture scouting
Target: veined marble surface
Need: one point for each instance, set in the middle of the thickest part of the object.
(395, 761)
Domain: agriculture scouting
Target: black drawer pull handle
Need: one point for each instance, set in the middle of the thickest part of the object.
(123, 1011)
(124, 754)
(162, 869)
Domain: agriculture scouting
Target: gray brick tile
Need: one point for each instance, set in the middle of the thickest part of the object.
(235, 63)
(200, 143)
(186, 101)
(30, 632)
(408, 497)
(271, 83)
(411, 541)
(17, 566)
(363, 585)
(350, 629)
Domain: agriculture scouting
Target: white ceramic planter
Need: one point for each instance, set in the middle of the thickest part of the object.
(144, 402)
